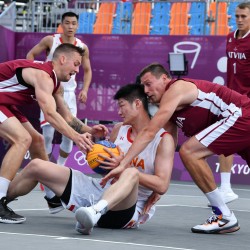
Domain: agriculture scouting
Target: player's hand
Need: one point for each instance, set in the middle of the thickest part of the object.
(84, 142)
(99, 131)
(114, 175)
(111, 162)
(82, 97)
(152, 199)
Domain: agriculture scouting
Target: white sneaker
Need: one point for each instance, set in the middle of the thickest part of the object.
(87, 217)
(227, 195)
(82, 230)
(218, 224)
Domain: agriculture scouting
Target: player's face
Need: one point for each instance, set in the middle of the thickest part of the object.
(127, 111)
(153, 87)
(69, 26)
(70, 66)
(243, 19)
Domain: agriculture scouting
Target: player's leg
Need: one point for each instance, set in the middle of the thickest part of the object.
(47, 173)
(48, 134)
(67, 144)
(227, 193)
(193, 155)
(122, 195)
(65, 149)
(19, 139)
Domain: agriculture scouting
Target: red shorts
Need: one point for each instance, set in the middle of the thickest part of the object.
(228, 136)
(10, 111)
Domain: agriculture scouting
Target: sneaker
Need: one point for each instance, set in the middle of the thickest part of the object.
(7, 215)
(82, 230)
(218, 224)
(54, 204)
(227, 195)
(87, 217)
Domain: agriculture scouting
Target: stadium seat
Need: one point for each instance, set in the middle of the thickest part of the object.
(179, 19)
(141, 18)
(104, 19)
(123, 18)
(220, 24)
(86, 22)
(159, 24)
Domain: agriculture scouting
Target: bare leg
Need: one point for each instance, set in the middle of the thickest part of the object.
(53, 176)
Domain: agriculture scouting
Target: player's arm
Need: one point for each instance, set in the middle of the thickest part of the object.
(44, 45)
(86, 77)
(74, 122)
(159, 182)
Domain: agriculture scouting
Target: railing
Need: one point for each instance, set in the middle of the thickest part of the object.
(155, 17)
(8, 17)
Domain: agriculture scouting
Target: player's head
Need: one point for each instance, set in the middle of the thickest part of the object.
(66, 60)
(154, 78)
(69, 23)
(130, 98)
(242, 15)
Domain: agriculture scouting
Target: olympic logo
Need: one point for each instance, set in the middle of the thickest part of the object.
(80, 158)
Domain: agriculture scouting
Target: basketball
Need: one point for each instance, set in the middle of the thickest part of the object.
(92, 155)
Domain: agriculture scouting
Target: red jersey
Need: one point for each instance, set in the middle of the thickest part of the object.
(238, 63)
(13, 89)
(213, 103)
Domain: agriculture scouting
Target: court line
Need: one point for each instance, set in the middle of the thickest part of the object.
(92, 240)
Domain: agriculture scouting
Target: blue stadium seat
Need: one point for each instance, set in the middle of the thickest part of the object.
(122, 20)
(197, 19)
(86, 22)
(159, 24)
(231, 12)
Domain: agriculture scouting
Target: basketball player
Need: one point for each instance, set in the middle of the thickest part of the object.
(238, 78)
(216, 119)
(26, 82)
(49, 43)
(119, 205)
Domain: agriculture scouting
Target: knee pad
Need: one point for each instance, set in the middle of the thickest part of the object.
(66, 144)
(48, 133)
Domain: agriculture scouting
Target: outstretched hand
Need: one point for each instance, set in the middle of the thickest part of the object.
(99, 130)
(84, 142)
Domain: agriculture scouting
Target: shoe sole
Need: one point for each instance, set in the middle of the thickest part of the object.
(12, 221)
(55, 210)
(231, 229)
(84, 217)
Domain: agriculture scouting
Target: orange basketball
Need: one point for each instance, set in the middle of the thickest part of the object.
(92, 155)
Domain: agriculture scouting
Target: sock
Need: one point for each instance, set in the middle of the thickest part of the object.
(4, 185)
(61, 160)
(225, 180)
(215, 200)
(101, 206)
(49, 193)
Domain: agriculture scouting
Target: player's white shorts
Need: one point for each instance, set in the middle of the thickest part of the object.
(70, 99)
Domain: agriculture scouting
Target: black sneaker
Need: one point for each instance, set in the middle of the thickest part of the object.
(7, 215)
(54, 204)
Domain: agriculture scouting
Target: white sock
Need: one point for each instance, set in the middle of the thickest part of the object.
(49, 193)
(215, 200)
(61, 160)
(4, 185)
(101, 206)
(225, 180)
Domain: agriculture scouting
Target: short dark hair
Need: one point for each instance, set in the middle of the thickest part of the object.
(244, 5)
(67, 48)
(70, 14)
(156, 69)
(131, 92)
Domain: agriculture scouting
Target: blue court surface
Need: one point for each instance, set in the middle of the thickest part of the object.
(182, 207)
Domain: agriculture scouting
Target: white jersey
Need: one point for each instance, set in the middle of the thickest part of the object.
(57, 40)
(144, 162)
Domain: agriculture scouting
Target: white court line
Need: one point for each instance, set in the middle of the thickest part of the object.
(91, 240)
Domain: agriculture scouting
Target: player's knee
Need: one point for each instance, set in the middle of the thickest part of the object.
(23, 141)
(66, 145)
(34, 167)
(184, 151)
(132, 174)
(38, 140)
